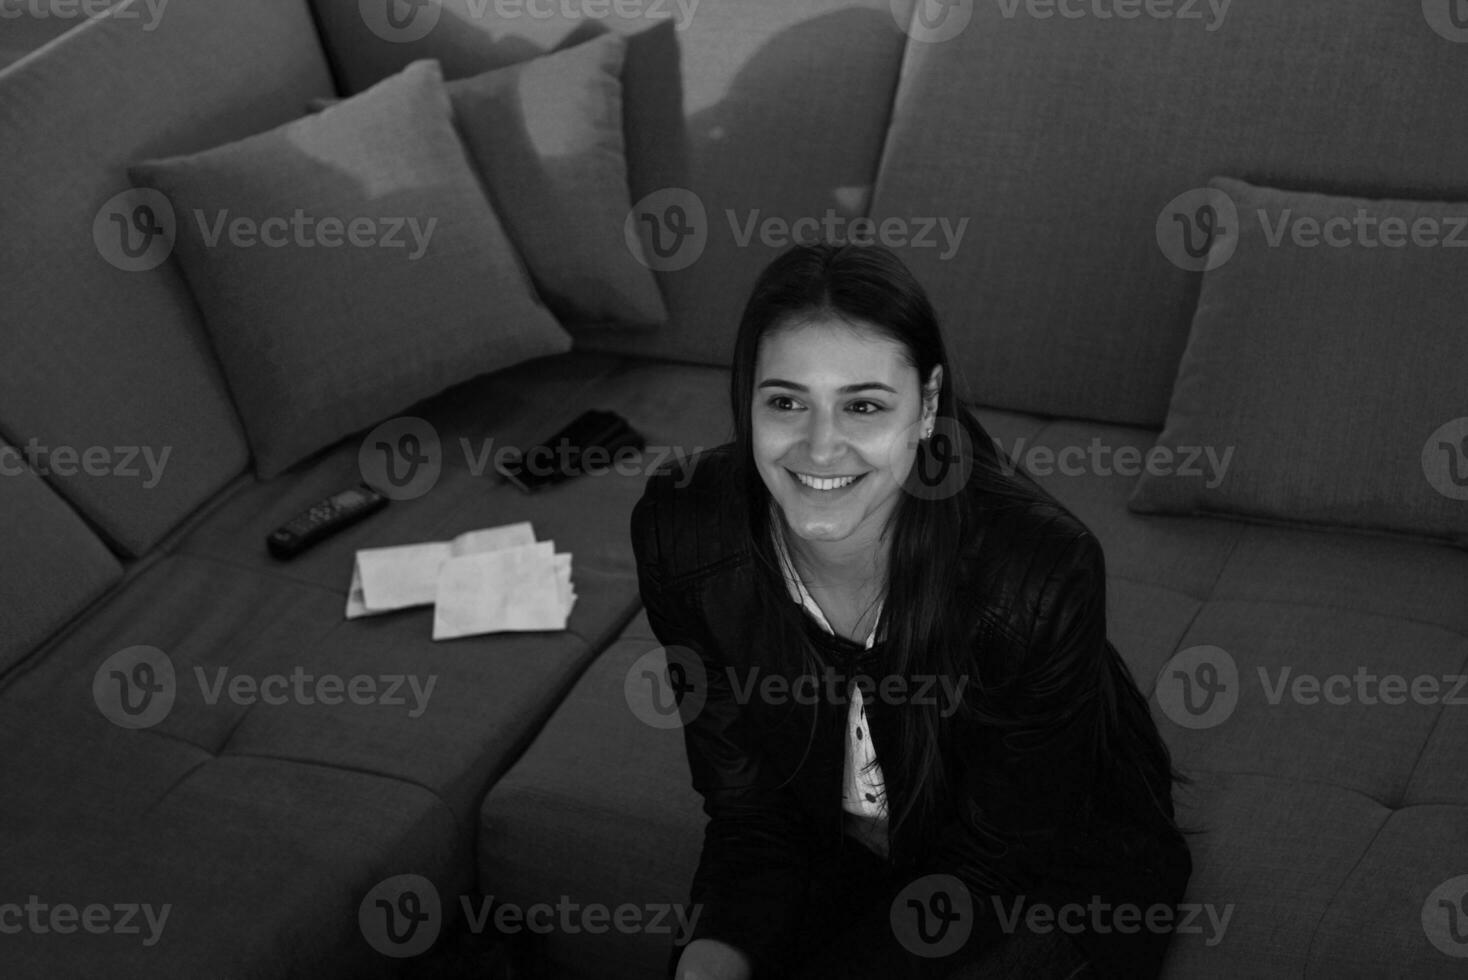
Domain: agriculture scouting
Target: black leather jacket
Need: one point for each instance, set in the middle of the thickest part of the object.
(1028, 823)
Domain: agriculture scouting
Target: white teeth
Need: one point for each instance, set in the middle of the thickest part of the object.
(815, 484)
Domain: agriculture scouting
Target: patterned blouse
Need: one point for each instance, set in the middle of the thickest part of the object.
(863, 796)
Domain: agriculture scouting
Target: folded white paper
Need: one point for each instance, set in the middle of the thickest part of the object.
(384, 579)
(484, 581)
(522, 588)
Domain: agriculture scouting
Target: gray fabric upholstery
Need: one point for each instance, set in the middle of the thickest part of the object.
(266, 826)
(54, 565)
(98, 356)
(321, 332)
(1063, 139)
(546, 138)
(333, 797)
(600, 809)
(750, 74)
(1326, 851)
(1325, 367)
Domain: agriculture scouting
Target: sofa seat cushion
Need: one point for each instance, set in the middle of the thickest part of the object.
(54, 564)
(1313, 812)
(95, 805)
(257, 863)
(677, 408)
(600, 809)
(1299, 798)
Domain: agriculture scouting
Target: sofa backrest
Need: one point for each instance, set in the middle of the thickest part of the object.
(755, 111)
(54, 564)
(99, 360)
(1059, 134)
(1063, 138)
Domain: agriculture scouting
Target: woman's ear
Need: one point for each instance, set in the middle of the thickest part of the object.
(931, 389)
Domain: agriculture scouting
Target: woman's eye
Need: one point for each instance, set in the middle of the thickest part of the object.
(777, 402)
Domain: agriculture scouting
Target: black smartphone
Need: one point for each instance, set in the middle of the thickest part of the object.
(564, 455)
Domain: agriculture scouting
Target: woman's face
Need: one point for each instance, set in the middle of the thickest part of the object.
(833, 400)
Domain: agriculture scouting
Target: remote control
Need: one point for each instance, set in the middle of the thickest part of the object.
(324, 519)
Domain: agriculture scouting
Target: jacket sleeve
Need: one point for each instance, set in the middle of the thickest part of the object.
(753, 871)
(1021, 791)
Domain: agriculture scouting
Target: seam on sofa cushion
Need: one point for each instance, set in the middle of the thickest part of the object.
(1345, 879)
(339, 768)
(1296, 780)
(1264, 600)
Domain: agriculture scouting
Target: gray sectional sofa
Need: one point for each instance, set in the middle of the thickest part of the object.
(1027, 157)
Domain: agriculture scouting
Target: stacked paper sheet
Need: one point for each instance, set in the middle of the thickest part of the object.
(486, 581)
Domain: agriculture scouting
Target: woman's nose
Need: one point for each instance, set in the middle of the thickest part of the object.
(825, 436)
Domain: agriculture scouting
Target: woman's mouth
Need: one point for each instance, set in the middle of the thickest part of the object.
(824, 488)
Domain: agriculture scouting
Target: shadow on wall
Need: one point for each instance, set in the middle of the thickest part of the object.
(830, 77)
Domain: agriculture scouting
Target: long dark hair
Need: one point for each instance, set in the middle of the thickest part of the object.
(926, 634)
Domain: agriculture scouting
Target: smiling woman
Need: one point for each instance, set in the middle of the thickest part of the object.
(876, 539)
(834, 455)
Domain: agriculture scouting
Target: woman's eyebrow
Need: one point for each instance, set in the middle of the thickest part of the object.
(844, 389)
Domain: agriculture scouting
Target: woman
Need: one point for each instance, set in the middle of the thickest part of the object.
(918, 752)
